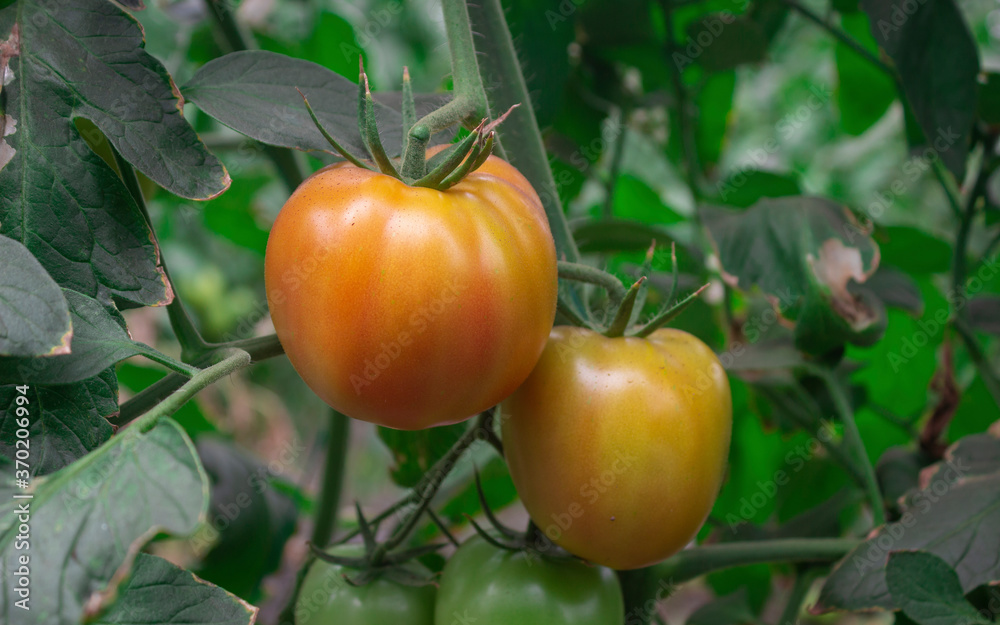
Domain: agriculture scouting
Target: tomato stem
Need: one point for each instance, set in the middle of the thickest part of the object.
(415, 153)
(852, 438)
(488, 512)
(691, 563)
(579, 272)
(333, 478)
(259, 348)
(431, 481)
(232, 363)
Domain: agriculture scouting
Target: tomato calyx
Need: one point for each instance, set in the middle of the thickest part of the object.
(532, 541)
(379, 561)
(626, 304)
(442, 171)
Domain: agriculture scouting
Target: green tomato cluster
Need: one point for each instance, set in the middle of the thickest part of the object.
(481, 584)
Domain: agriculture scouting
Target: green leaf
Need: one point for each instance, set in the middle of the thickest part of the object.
(988, 108)
(86, 59)
(414, 452)
(898, 243)
(984, 313)
(714, 102)
(898, 471)
(635, 200)
(745, 187)
(233, 215)
(245, 510)
(928, 590)
(864, 92)
(977, 454)
(603, 235)
(66, 421)
(846, 6)
(731, 42)
(938, 64)
(99, 341)
(57, 197)
(616, 23)
(954, 516)
(254, 92)
(161, 593)
(34, 317)
(89, 521)
(802, 253)
(895, 289)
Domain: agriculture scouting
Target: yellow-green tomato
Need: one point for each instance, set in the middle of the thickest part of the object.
(326, 598)
(618, 446)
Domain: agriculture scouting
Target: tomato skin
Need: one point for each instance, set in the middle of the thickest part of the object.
(411, 307)
(618, 446)
(486, 585)
(326, 598)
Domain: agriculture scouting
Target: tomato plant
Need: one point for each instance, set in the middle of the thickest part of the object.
(694, 302)
(618, 446)
(407, 306)
(327, 596)
(490, 585)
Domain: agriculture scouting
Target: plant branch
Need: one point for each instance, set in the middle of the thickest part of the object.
(959, 275)
(259, 348)
(691, 563)
(807, 423)
(232, 363)
(852, 438)
(333, 479)
(804, 578)
(688, 144)
(431, 481)
(946, 185)
(979, 359)
(616, 163)
(183, 326)
(519, 136)
(968, 215)
(159, 357)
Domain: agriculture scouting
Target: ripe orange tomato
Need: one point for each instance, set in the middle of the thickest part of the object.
(411, 307)
(617, 446)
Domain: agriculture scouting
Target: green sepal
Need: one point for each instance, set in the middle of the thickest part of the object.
(640, 298)
(326, 135)
(494, 521)
(620, 323)
(480, 152)
(454, 158)
(370, 132)
(669, 314)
